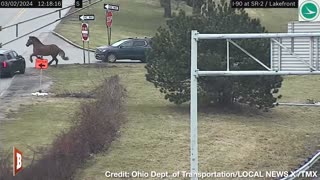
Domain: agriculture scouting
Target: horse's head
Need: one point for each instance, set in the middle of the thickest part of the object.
(30, 41)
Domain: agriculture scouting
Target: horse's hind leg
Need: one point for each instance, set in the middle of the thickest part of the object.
(56, 61)
(53, 58)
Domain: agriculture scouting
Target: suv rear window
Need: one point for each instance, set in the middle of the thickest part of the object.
(118, 43)
(9, 56)
(13, 54)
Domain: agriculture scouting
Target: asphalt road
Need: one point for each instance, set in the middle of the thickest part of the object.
(12, 16)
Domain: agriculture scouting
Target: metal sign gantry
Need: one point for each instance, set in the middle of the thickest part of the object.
(276, 38)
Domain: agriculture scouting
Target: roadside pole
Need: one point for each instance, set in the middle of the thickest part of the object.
(85, 33)
(85, 37)
(110, 36)
(84, 53)
(0, 47)
(40, 80)
(89, 52)
(0, 71)
(109, 8)
(109, 24)
(41, 64)
(88, 47)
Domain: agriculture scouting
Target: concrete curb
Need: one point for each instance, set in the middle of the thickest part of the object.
(70, 42)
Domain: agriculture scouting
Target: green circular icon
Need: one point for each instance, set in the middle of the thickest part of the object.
(309, 10)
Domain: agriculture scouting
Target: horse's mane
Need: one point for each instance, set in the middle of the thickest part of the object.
(35, 38)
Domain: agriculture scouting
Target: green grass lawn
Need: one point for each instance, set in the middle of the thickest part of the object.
(136, 18)
(35, 126)
(301, 89)
(156, 135)
(275, 19)
(141, 18)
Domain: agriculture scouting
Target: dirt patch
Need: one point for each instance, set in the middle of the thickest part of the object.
(19, 94)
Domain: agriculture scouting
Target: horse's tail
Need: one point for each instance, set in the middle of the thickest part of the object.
(63, 55)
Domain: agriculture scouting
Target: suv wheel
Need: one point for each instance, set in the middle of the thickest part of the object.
(23, 69)
(11, 73)
(143, 60)
(111, 58)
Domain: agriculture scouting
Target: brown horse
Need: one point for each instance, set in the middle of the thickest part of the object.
(40, 50)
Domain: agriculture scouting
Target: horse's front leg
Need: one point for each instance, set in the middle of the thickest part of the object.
(31, 60)
(50, 62)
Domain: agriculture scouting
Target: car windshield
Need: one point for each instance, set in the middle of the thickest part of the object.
(118, 43)
(2, 57)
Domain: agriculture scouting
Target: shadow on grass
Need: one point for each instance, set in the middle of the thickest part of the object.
(240, 110)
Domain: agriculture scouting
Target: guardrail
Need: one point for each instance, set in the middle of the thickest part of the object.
(298, 104)
(59, 10)
(60, 18)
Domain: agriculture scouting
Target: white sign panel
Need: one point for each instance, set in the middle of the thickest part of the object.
(309, 10)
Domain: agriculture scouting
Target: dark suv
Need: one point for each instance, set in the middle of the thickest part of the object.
(124, 49)
(11, 62)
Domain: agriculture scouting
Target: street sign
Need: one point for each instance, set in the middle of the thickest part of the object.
(41, 64)
(111, 7)
(309, 10)
(86, 17)
(109, 19)
(85, 31)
